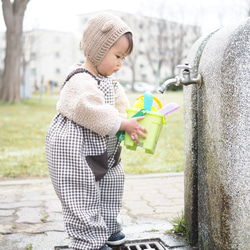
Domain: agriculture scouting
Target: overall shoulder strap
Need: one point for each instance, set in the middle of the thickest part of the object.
(79, 70)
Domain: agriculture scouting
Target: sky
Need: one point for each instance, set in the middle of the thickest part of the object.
(62, 15)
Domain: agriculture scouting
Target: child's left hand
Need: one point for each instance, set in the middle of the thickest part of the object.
(133, 128)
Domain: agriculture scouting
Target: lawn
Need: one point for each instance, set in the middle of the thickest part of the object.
(23, 128)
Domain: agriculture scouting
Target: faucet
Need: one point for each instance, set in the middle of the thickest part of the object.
(186, 79)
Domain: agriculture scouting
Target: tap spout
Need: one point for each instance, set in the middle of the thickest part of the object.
(167, 83)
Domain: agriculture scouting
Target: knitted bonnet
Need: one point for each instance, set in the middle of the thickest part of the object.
(100, 34)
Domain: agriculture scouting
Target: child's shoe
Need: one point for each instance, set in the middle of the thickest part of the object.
(105, 247)
(116, 239)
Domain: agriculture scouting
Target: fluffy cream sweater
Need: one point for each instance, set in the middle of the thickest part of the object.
(82, 102)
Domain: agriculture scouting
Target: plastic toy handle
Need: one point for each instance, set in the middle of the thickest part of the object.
(169, 108)
(155, 98)
(148, 101)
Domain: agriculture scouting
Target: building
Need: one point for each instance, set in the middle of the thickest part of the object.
(48, 56)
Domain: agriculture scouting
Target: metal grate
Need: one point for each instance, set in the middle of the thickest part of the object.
(148, 244)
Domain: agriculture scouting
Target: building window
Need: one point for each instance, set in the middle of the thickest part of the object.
(33, 72)
(31, 39)
(33, 56)
(84, 20)
(57, 39)
(57, 55)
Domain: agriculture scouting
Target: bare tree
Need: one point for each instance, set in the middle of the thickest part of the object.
(13, 13)
(131, 63)
(169, 49)
(156, 50)
(131, 60)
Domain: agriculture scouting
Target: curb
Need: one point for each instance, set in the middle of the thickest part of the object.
(128, 176)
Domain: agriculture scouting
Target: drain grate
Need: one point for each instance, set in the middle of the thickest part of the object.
(148, 244)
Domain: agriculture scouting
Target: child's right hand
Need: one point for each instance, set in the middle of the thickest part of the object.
(133, 128)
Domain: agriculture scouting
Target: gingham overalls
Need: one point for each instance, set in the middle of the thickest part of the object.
(91, 197)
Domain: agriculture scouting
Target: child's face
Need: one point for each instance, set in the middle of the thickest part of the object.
(112, 61)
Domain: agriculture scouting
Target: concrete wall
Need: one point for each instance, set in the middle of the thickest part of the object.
(217, 140)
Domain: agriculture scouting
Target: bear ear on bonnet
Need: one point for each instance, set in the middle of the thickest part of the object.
(108, 26)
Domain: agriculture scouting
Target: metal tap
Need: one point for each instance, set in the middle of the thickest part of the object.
(185, 80)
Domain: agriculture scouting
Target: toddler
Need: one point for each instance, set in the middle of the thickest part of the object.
(82, 150)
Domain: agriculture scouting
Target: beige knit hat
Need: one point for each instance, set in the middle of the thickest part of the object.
(99, 34)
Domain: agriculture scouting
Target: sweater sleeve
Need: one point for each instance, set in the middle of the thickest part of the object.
(82, 102)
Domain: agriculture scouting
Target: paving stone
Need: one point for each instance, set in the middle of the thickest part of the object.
(30, 215)
(6, 228)
(19, 204)
(54, 216)
(7, 220)
(139, 207)
(56, 225)
(26, 228)
(53, 205)
(6, 212)
(7, 198)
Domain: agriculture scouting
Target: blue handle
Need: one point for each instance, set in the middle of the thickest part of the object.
(148, 101)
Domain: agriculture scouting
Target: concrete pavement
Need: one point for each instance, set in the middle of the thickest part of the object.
(31, 216)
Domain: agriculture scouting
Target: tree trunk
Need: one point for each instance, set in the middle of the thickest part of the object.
(13, 13)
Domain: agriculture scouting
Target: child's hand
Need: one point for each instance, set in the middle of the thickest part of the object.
(133, 128)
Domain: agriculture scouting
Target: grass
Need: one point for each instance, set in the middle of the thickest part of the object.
(22, 131)
(23, 128)
(180, 227)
